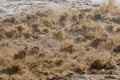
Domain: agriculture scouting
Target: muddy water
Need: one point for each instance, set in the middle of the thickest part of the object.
(9, 7)
(52, 46)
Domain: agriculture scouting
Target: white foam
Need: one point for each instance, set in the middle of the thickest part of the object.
(17, 6)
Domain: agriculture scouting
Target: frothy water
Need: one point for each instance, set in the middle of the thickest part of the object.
(117, 2)
(99, 1)
(8, 7)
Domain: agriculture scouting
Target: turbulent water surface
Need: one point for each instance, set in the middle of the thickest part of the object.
(73, 40)
(8, 7)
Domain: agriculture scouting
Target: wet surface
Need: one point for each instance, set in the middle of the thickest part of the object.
(9, 7)
(47, 45)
